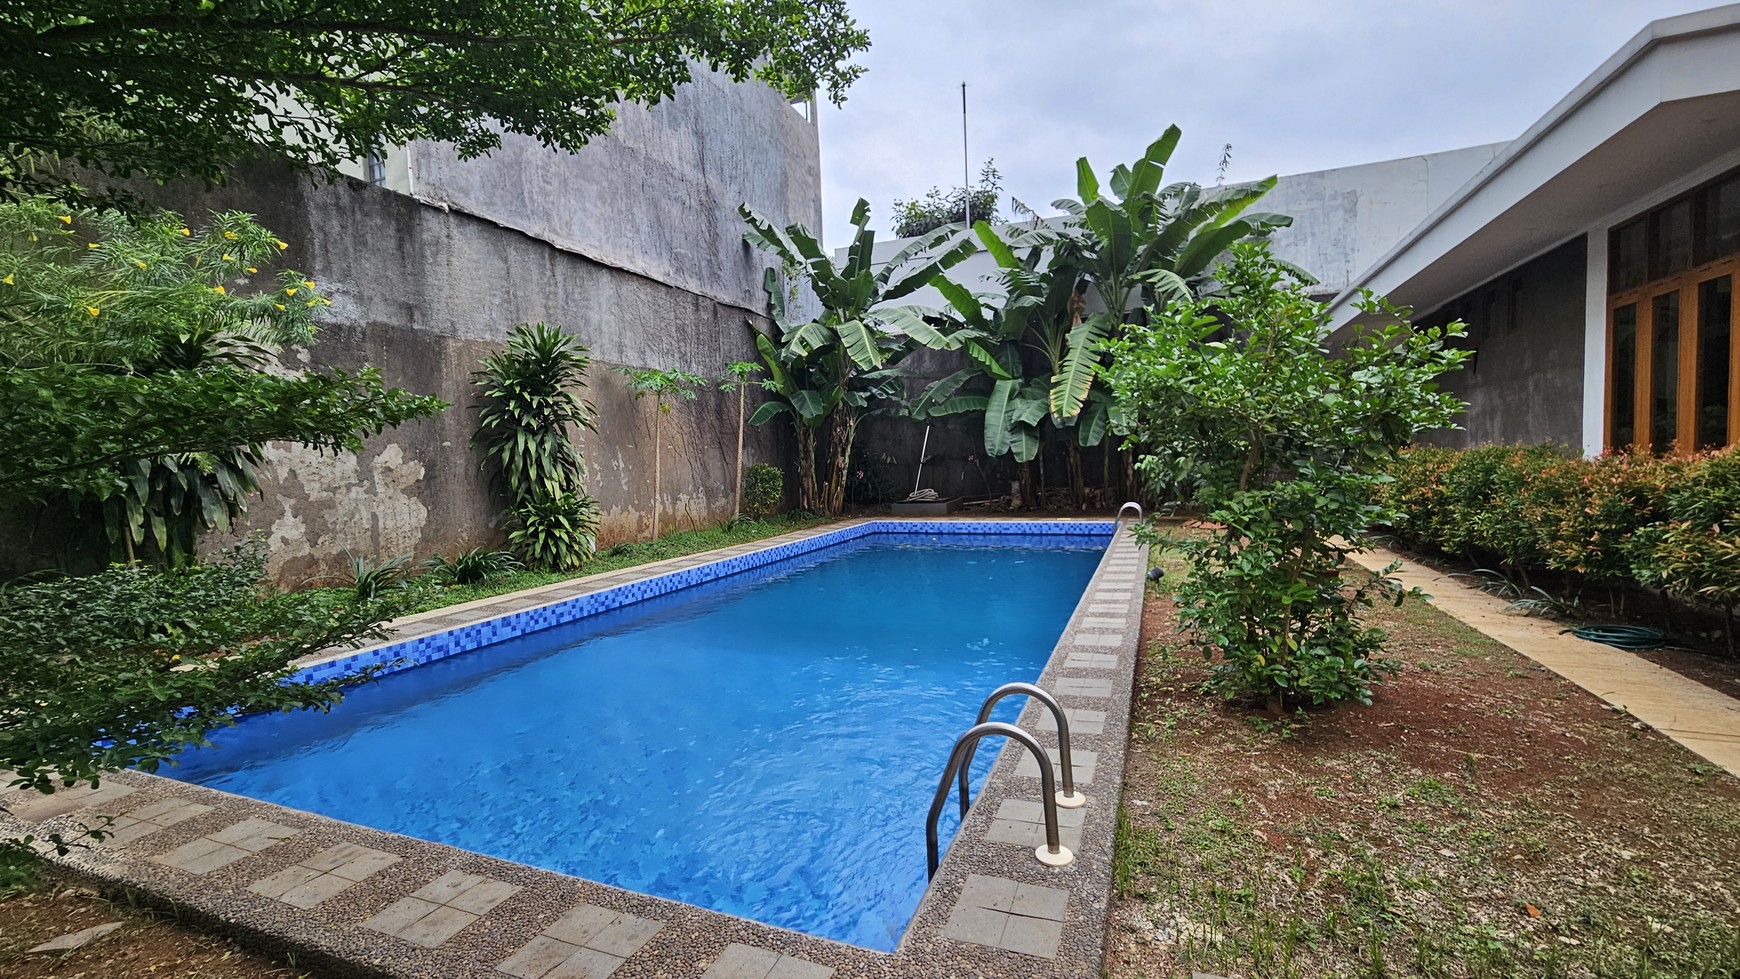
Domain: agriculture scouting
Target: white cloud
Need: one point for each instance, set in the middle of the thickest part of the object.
(1293, 85)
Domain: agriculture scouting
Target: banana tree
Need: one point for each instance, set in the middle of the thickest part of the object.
(1142, 240)
(840, 366)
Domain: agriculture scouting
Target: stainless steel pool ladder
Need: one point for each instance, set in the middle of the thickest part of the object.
(1120, 517)
(1069, 798)
(1052, 853)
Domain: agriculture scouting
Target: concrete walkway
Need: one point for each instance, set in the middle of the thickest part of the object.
(1705, 721)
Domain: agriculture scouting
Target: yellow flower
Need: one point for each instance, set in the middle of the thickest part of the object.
(65, 219)
(279, 305)
(308, 282)
(8, 281)
(281, 245)
(231, 235)
(228, 257)
(252, 270)
(218, 289)
(140, 264)
(187, 231)
(92, 244)
(311, 302)
(326, 302)
(92, 310)
(289, 292)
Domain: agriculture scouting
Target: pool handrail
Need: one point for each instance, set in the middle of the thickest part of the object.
(1052, 853)
(1068, 798)
(1132, 503)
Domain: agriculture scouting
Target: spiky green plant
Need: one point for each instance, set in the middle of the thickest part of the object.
(526, 425)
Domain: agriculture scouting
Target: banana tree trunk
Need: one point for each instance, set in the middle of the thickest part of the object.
(1077, 490)
(806, 465)
(840, 437)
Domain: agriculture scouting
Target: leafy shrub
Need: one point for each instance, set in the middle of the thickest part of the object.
(126, 668)
(370, 579)
(472, 567)
(556, 532)
(1282, 444)
(763, 490)
(525, 429)
(1695, 553)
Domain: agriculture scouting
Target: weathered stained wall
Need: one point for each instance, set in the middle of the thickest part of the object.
(1525, 382)
(634, 244)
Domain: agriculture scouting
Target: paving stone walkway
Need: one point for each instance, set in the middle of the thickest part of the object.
(1704, 720)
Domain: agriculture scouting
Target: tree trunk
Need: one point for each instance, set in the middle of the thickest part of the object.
(1027, 485)
(840, 437)
(806, 463)
(737, 499)
(1077, 489)
(658, 448)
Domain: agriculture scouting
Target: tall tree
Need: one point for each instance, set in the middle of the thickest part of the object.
(176, 88)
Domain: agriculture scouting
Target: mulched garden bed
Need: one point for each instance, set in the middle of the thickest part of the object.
(1482, 818)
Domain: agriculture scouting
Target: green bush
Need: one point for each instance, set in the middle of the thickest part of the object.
(763, 489)
(472, 567)
(1619, 519)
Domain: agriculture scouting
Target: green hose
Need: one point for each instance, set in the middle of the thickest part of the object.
(1622, 636)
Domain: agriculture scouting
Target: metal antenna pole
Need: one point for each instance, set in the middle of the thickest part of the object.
(966, 164)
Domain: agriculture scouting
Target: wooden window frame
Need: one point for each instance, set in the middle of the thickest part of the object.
(1690, 321)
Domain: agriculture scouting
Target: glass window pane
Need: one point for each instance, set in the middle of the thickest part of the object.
(1623, 394)
(1670, 246)
(1628, 259)
(1664, 373)
(1715, 310)
(1718, 229)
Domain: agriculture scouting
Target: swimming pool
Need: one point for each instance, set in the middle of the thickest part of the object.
(763, 745)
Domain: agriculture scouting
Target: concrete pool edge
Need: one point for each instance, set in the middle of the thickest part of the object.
(1092, 660)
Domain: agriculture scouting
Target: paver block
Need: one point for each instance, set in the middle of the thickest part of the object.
(1104, 622)
(253, 835)
(307, 895)
(537, 957)
(443, 889)
(36, 807)
(1091, 661)
(399, 915)
(578, 926)
(742, 962)
(1082, 686)
(76, 940)
(437, 926)
(201, 856)
(1032, 936)
(1108, 608)
(624, 936)
(1081, 721)
(585, 963)
(283, 880)
(1082, 761)
(483, 896)
(1005, 914)
(1030, 835)
(1099, 639)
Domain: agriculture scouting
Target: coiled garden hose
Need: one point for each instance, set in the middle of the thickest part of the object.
(1622, 636)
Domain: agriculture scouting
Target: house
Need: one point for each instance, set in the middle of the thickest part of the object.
(1594, 257)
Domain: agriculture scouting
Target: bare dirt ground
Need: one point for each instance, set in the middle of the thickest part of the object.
(1482, 818)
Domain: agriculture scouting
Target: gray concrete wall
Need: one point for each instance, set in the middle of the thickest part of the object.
(659, 195)
(1525, 383)
(634, 243)
(1345, 219)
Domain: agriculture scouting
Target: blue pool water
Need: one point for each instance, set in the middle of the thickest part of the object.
(765, 745)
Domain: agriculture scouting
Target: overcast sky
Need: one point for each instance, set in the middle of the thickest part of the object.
(1293, 85)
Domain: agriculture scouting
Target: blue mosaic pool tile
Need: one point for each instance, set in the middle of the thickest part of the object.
(475, 635)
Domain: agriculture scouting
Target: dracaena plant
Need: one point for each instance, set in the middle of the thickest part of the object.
(830, 372)
(526, 426)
